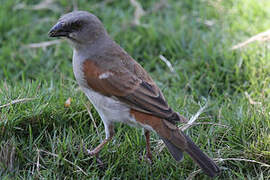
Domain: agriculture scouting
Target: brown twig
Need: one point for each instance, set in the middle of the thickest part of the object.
(264, 36)
(139, 12)
(17, 101)
(193, 174)
(194, 118)
(251, 101)
(44, 44)
(209, 123)
(241, 159)
(38, 163)
(167, 62)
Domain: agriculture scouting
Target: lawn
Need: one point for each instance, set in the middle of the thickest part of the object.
(43, 137)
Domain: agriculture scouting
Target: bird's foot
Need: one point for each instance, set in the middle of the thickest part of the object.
(92, 152)
(148, 158)
(95, 153)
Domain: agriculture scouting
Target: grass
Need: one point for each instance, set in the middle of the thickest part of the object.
(41, 138)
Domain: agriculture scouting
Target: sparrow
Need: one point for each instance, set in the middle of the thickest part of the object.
(121, 90)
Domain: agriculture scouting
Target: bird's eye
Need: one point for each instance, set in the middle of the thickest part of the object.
(76, 25)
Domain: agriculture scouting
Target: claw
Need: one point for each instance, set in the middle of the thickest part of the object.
(92, 152)
(148, 158)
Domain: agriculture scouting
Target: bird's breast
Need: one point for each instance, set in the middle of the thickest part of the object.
(77, 63)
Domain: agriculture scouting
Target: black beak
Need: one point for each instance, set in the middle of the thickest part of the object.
(58, 30)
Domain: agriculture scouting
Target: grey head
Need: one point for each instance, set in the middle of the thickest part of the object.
(79, 27)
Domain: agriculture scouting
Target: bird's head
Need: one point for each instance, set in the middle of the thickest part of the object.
(80, 27)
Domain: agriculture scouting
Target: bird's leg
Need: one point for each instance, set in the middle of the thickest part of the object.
(109, 129)
(148, 148)
(98, 148)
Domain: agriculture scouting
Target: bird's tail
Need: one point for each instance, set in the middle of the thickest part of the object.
(175, 151)
(206, 164)
(178, 142)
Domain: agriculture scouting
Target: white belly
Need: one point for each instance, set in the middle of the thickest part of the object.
(111, 110)
(108, 108)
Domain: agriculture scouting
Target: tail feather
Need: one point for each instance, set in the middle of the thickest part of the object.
(175, 151)
(177, 142)
(206, 164)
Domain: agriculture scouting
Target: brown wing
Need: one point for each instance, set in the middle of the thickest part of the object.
(130, 85)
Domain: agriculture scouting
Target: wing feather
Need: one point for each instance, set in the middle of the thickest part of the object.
(128, 82)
